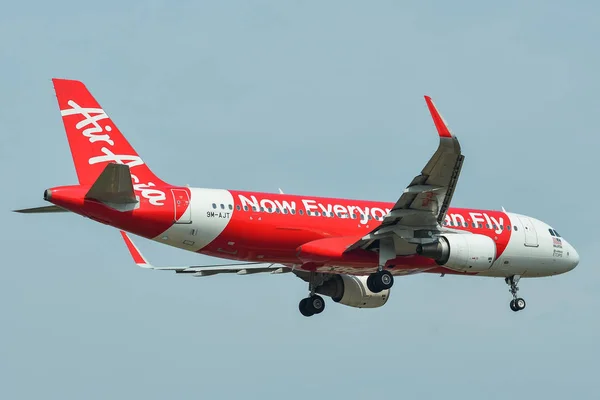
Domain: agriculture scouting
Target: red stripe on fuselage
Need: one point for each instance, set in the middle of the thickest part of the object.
(276, 236)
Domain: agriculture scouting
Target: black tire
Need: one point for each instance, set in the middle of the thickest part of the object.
(370, 284)
(513, 306)
(315, 304)
(383, 280)
(303, 307)
(520, 304)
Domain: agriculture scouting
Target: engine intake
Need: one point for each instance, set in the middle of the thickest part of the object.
(465, 253)
(352, 291)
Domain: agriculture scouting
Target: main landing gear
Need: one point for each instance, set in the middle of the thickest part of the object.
(517, 303)
(380, 281)
(313, 304)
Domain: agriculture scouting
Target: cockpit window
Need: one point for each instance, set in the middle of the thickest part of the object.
(551, 232)
(557, 234)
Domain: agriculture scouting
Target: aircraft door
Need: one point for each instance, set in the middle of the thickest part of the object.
(531, 239)
(183, 208)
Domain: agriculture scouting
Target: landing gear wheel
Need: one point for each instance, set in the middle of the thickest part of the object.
(315, 304)
(517, 303)
(311, 305)
(370, 284)
(303, 309)
(380, 281)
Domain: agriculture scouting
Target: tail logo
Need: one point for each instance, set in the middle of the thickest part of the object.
(97, 133)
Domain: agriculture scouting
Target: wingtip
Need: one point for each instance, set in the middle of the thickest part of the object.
(133, 250)
(438, 120)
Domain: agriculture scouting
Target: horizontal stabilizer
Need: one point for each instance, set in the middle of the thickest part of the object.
(206, 270)
(41, 210)
(114, 188)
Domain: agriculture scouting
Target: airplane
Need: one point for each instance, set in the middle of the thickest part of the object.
(348, 250)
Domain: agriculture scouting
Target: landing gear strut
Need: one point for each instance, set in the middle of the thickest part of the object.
(313, 304)
(382, 280)
(517, 303)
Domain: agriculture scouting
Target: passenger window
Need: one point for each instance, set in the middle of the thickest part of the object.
(353, 216)
(245, 208)
(293, 211)
(214, 205)
(501, 227)
(301, 212)
(370, 217)
(277, 210)
(285, 211)
(222, 206)
(508, 227)
(230, 207)
(495, 227)
(254, 208)
(466, 225)
(515, 228)
(262, 209)
(474, 225)
(317, 213)
(238, 207)
(487, 226)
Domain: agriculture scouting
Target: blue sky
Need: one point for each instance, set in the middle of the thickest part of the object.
(321, 98)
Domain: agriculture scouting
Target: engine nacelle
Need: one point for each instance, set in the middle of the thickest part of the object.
(352, 291)
(466, 253)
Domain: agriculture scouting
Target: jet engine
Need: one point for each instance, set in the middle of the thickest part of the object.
(465, 253)
(352, 291)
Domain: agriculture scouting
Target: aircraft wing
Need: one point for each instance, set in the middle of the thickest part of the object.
(206, 270)
(422, 207)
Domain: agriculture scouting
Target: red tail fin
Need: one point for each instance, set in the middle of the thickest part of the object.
(93, 137)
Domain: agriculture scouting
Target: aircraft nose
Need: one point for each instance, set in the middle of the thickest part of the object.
(573, 257)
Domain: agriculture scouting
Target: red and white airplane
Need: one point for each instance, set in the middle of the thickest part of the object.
(349, 250)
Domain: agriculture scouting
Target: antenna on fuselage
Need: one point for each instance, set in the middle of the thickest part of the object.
(503, 210)
(280, 191)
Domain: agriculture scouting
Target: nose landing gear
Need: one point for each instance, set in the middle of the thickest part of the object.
(517, 303)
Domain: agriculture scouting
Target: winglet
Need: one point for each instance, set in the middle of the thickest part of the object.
(438, 120)
(135, 253)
